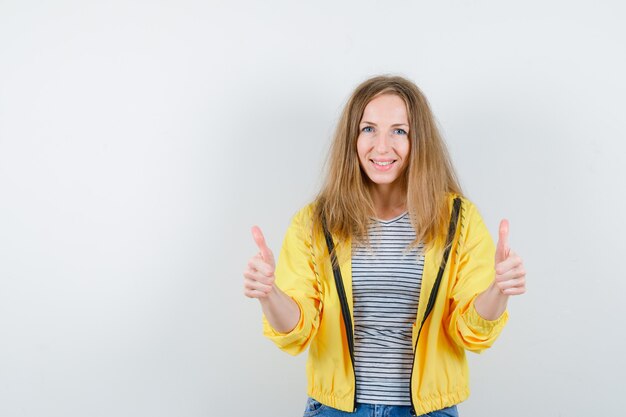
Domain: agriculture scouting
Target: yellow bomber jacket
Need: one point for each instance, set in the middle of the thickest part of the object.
(440, 376)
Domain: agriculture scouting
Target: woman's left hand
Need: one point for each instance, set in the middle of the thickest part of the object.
(510, 273)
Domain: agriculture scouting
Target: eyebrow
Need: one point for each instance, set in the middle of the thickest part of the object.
(374, 124)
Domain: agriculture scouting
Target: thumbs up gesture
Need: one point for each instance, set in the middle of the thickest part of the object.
(259, 274)
(510, 273)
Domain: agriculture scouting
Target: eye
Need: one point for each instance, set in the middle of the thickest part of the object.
(399, 132)
(367, 129)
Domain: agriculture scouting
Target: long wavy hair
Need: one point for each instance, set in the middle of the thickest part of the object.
(344, 200)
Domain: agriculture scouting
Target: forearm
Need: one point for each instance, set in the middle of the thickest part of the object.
(280, 310)
(491, 303)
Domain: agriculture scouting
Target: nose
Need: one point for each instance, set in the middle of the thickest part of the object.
(383, 143)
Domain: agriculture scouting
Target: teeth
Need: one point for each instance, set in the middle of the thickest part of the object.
(383, 163)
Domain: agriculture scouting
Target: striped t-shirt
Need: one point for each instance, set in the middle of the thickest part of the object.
(386, 283)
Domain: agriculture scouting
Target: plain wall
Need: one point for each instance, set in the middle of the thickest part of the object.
(140, 141)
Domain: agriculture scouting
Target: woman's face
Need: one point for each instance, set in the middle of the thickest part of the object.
(383, 144)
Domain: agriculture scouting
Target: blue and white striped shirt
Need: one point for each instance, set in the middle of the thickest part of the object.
(386, 283)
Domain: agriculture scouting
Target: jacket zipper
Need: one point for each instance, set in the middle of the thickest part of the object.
(349, 332)
(454, 219)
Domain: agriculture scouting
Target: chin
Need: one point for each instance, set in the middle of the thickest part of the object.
(383, 181)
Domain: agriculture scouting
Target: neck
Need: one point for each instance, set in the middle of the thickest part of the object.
(389, 200)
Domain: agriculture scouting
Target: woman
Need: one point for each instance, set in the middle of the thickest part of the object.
(390, 274)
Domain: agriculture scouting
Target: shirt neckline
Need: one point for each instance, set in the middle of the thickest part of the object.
(395, 219)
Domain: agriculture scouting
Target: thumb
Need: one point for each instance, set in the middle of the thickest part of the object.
(502, 249)
(259, 239)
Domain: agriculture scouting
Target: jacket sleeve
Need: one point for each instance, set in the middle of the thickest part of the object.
(296, 276)
(476, 271)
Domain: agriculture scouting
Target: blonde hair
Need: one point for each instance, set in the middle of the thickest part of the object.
(344, 201)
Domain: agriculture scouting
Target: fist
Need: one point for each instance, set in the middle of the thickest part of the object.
(510, 272)
(259, 275)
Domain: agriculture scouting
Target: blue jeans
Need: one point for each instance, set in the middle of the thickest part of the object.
(316, 409)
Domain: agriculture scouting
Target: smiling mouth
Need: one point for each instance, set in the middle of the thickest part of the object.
(382, 163)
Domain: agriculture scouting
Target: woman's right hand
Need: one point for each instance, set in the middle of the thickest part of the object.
(259, 275)
(281, 311)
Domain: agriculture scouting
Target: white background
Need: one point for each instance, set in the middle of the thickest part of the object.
(140, 140)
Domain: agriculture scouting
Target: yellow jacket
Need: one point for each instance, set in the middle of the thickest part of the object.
(440, 375)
